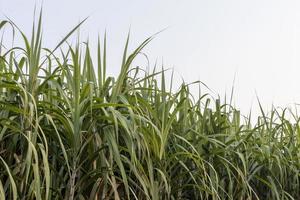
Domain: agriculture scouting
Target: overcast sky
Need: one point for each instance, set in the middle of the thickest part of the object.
(258, 40)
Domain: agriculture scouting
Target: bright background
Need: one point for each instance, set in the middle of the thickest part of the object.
(257, 41)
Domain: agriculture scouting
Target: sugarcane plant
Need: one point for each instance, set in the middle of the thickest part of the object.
(70, 131)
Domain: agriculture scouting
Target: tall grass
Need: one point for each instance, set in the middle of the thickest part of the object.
(69, 131)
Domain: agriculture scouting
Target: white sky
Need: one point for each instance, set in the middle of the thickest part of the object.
(258, 40)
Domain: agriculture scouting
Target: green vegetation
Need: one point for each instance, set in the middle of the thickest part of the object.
(69, 131)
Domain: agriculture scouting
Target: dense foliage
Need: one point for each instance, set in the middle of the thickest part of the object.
(68, 131)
